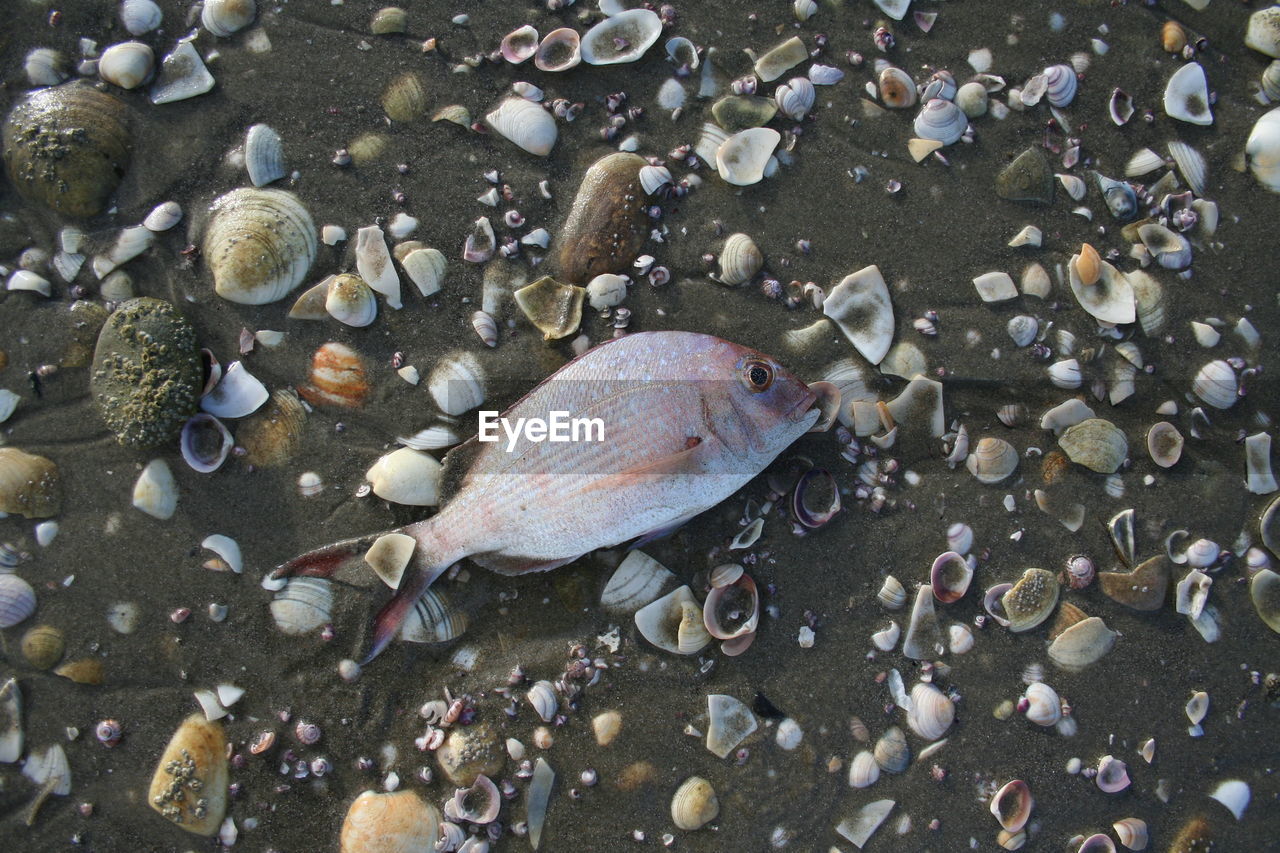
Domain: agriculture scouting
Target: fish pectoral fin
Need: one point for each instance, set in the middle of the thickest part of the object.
(674, 463)
(665, 530)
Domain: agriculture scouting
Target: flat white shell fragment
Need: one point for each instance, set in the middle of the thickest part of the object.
(860, 306)
(741, 159)
(859, 828)
(730, 722)
(182, 75)
(237, 394)
(226, 548)
(1186, 97)
(995, 287)
(156, 492)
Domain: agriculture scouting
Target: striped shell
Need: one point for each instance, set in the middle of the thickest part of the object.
(486, 327)
(1216, 384)
(273, 434)
(456, 384)
(425, 268)
(795, 98)
(258, 244)
(303, 605)
(941, 120)
(1061, 85)
(740, 260)
(17, 600)
(126, 64)
(525, 124)
(992, 460)
(694, 804)
(263, 155)
(224, 17)
(435, 618)
(140, 16)
(338, 378)
(395, 822)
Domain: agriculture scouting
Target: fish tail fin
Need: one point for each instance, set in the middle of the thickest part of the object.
(430, 560)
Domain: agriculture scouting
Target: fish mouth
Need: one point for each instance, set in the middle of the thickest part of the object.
(822, 397)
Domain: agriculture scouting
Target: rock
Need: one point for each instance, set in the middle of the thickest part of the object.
(470, 751)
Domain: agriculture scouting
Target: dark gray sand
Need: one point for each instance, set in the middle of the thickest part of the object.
(319, 86)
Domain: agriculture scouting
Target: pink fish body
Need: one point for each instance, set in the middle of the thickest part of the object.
(686, 419)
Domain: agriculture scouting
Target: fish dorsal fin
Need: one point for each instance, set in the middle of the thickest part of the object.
(457, 464)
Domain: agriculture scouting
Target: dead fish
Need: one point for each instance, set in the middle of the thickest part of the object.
(608, 222)
(688, 419)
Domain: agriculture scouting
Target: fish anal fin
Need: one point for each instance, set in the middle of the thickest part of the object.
(515, 564)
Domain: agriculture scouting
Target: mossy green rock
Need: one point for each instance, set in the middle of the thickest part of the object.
(146, 376)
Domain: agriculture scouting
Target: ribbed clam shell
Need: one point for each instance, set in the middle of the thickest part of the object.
(740, 260)
(45, 67)
(863, 770)
(425, 268)
(224, 17)
(140, 16)
(636, 582)
(741, 159)
(1065, 374)
(273, 434)
(519, 44)
(303, 605)
(1186, 97)
(795, 98)
(43, 647)
(432, 438)
(405, 99)
(560, 50)
(163, 216)
(892, 594)
(1216, 384)
(993, 460)
(1262, 150)
(941, 120)
(17, 600)
(542, 696)
(623, 37)
(456, 384)
(1143, 162)
(1191, 164)
(897, 89)
(406, 476)
(1022, 329)
(263, 155)
(434, 618)
(1061, 82)
(525, 124)
(127, 64)
(1097, 444)
(932, 712)
(1082, 644)
(891, 752)
(654, 178)
(258, 244)
(395, 822)
(694, 804)
(349, 300)
(205, 443)
(959, 638)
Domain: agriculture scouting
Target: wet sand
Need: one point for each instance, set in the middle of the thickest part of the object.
(320, 89)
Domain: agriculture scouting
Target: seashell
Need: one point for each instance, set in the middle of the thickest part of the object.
(886, 638)
(741, 159)
(1149, 301)
(824, 75)
(960, 538)
(959, 639)
(263, 155)
(972, 99)
(606, 291)
(425, 268)
(623, 37)
(349, 300)
(127, 64)
(1216, 384)
(554, 308)
(486, 327)
(302, 605)
(258, 244)
(43, 647)
(45, 66)
(156, 492)
(129, 243)
(1097, 843)
(82, 671)
(560, 50)
(1259, 479)
(478, 804)
(182, 75)
(729, 723)
(542, 696)
(1142, 589)
(30, 485)
(1164, 444)
(739, 261)
(1131, 831)
(924, 636)
(1202, 553)
(1262, 150)
(732, 610)
(17, 600)
(163, 216)
(1186, 96)
(1022, 330)
(795, 98)
(205, 443)
(405, 99)
(694, 804)
(941, 120)
(75, 177)
(1012, 805)
(654, 178)
(1191, 164)
(373, 263)
(1120, 107)
(1040, 704)
(27, 280)
(860, 306)
(995, 287)
(406, 476)
(671, 95)
(237, 394)
(932, 712)
(189, 786)
(525, 124)
(1144, 162)
(1263, 32)
(897, 89)
(950, 576)
(992, 461)
(470, 751)
(1028, 236)
(394, 822)
(1112, 775)
(1271, 80)
(140, 16)
(337, 378)
(891, 752)
(1061, 83)
(683, 53)
(1097, 444)
(224, 17)
(673, 623)
(273, 435)
(520, 44)
(863, 770)
(781, 59)
(389, 20)
(637, 581)
(892, 595)
(607, 223)
(1035, 281)
(1065, 374)
(1031, 599)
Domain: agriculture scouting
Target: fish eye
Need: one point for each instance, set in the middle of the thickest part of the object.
(758, 375)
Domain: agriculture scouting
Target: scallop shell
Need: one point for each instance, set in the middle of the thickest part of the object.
(17, 600)
(993, 460)
(620, 38)
(43, 646)
(30, 485)
(1216, 384)
(189, 786)
(932, 712)
(225, 17)
(1262, 150)
(607, 223)
(1164, 444)
(560, 50)
(406, 476)
(67, 148)
(1061, 85)
(741, 159)
(1097, 444)
(140, 16)
(349, 300)
(302, 605)
(394, 822)
(258, 244)
(694, 804)
(740, 260)
(1012, 805)
(1186, 96)
(425, 268)
(156, 492)
(524, 124)
(891, 752)
(273, 434)
(338, 377)
(795, 98)
(897, 89)
(941, 120)
(127, 64)
(860, 306)
(1031, 599)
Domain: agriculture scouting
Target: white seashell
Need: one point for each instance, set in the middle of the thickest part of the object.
(425, 268)
(226, 548)
(941, 120)
(350, 301)
(959, 638)
(637, 581)
(1097, 444)
(17, 601)
(932, 712)
(891, 751)
(740, 260)
(1259, 478)
(1022, 329)
(995, 287)
(860, 306)
(8, 402)
(302, 605)
(1233, 793)
(156, 492)
(1191, 164)
(824, 75)
(623, 37)
(49, 768)
(1060, 85)
(694, 804)
(606, 291)
(1144, 162)
(373, 262)
(542, 696)
(1263, 32)
(741, 159)
(1028, 236)
(182, 75)
(795, 98)
(1035, 281)
(237, 394)
(259, 245)
(1207, 336)
(1044, 708)
(671, 94)
(486, 327)
(456, 384)
(1202, 553)
(924, 637)
(886, 638)
(674, 623)
(11, 733)
(27, 280)
(1066, 374)
(654, 178)
(332, 235)
(406, 476)
(126, 64)
(1262, 150)
(539, 237)
(709, 141)
(1110, 299)
(863, 770)
(1216, 384)
(896, 9)
(1192, 595)
(892, 594)
(559, 50)
(804, 9)
(683, 53)
(45, 66)
(1186, 97)
(163, 216)
(129, 243)
(525, 124)
(992, 460)
(729, 723)
(431, 438)
(1074, 185)
(789, 734)
(224, 17)
(263, 155)
(140, 16)
(980, 59)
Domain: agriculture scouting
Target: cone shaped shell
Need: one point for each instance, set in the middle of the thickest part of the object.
(189, 786)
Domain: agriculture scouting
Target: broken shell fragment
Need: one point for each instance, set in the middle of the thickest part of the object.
(555, 308)
(1113, 776)
(1142, 589)
(1132, 832)
(924, 635)
(1234, 794)
(742, 158)
(1186, 96)
(674, 623)
(156, 492)
(637, 581)
(189, 786)
(30, 485)
(729, 723)
(860, 306)
(781, 59)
